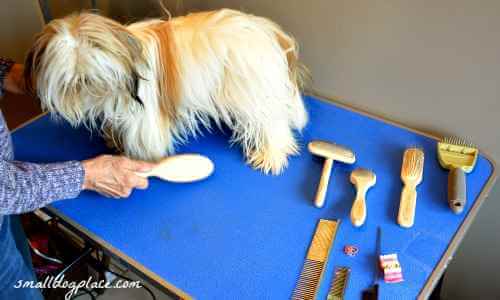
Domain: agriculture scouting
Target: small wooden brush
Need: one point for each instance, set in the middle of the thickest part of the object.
(363, 179)
(411, 175)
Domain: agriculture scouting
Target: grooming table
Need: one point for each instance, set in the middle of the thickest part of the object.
(243, 235)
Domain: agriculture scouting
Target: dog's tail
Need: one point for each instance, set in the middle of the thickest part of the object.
(299, 74)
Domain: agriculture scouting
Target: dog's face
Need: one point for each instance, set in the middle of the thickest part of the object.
(80, 63)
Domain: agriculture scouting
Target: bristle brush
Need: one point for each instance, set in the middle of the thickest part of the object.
(411, 174)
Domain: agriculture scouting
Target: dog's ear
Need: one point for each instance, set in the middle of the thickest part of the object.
(134, 91)
(136, 58)
(31, 64)
(33, 58)
(134, 45)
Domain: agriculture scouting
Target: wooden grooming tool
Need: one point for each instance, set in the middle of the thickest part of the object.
(411, 173)
(316, 260)
(459, 157)
(330, 152)
(363, 180)
(182, 168)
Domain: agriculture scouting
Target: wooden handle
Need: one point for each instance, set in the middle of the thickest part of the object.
(457, 190)
(181, 168)
(144, 174)
(150, 173)
(319, 201)
(358, 210)
(407, 205)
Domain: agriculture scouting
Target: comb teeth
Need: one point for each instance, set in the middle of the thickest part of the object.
(339, 284)
(317, 256)
(455, 140)
(454, 152)
(309, 280)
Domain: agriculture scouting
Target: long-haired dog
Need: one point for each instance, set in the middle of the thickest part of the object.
(151, 84)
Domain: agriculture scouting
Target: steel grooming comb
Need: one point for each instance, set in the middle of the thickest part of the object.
(459, 157)
(339, 284)
(316, 260)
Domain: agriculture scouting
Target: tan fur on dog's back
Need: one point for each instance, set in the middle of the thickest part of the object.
(169, 77)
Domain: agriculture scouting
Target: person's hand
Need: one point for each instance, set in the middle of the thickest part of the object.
(114, 176)
(14, 81)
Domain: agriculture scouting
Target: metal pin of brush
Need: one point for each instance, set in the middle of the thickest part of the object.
(411, 175)
(459, 157)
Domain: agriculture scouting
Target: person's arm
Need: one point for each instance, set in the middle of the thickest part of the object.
(27, 186)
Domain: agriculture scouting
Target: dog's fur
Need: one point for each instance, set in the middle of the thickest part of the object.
(150, 84)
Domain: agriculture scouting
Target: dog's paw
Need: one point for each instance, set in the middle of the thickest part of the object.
(272, 161)
(274, 164)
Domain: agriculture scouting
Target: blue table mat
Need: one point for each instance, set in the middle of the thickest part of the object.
(241, 234)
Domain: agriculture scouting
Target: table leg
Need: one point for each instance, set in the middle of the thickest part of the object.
(436, 293)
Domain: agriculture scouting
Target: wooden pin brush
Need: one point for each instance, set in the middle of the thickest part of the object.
(181, 168)
(411, 175)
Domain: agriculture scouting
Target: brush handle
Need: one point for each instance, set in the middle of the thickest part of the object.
(358, 210)
(181, 168)
(145, 174)
(319, 201)
(407, 205)
(457, 190)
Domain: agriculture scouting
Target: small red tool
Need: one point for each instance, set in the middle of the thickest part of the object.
(351, 250)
